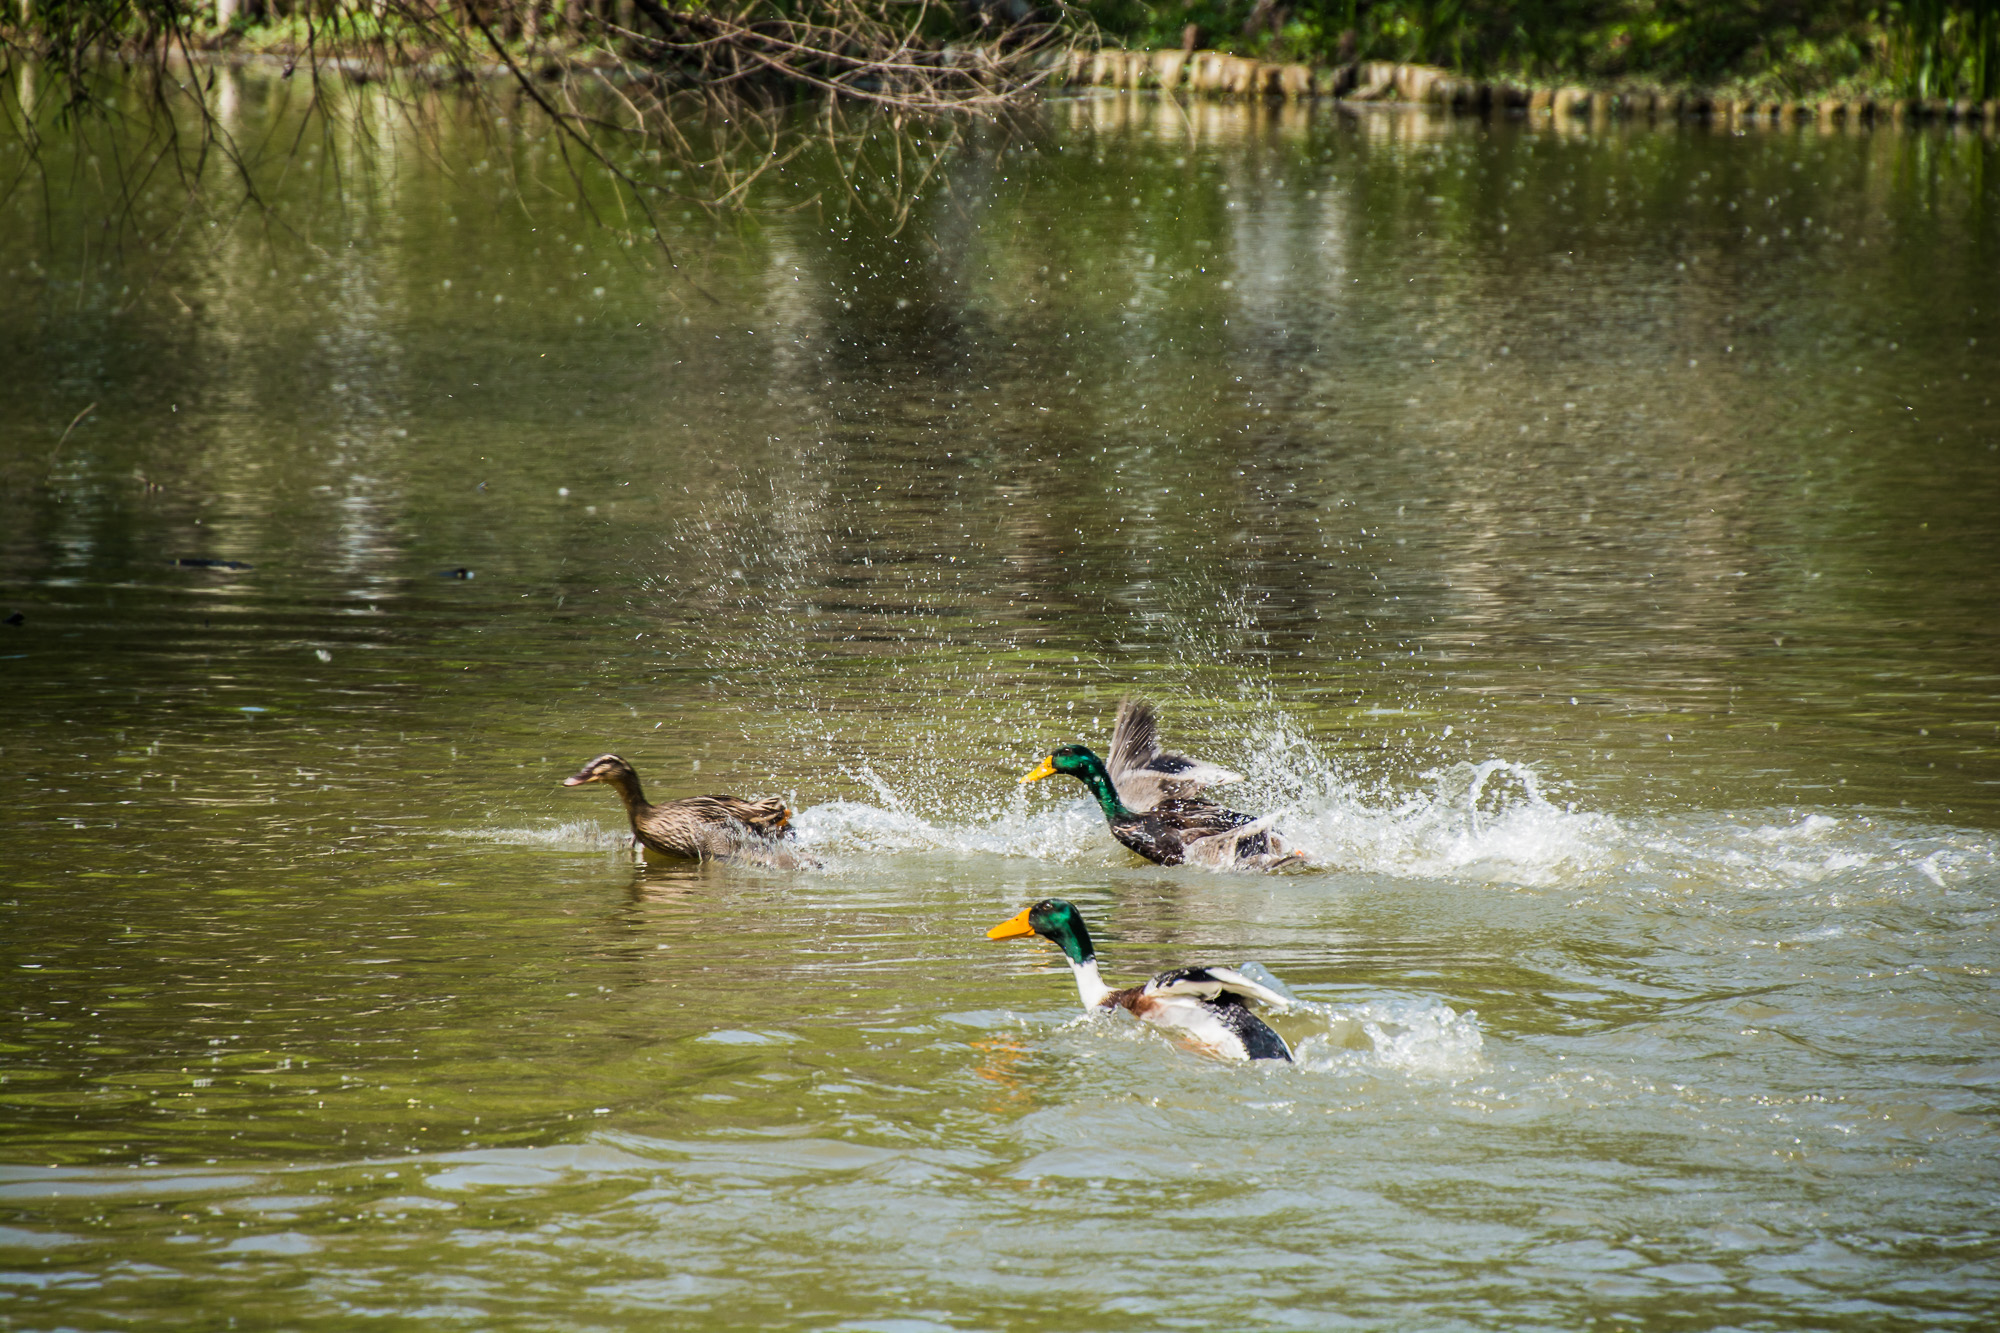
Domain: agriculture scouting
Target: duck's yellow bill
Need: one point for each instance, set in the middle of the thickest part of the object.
(1045, 769)
(1012, 927)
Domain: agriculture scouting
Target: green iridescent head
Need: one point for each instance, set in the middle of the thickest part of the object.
(1085, 767)
(1053, 919)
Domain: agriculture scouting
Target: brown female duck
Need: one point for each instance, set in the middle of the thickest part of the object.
(700, 828)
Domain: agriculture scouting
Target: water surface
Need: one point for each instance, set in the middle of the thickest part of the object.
(1586, 541)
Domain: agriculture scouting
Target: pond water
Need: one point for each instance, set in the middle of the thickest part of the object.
(1585, 541)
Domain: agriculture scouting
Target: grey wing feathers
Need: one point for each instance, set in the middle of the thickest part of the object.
(1135, 738)
(1210, 983)
(1145, 774)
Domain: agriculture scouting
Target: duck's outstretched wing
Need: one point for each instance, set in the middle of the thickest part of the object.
(1214, 983)
(1211, 1004)
(1145, 774)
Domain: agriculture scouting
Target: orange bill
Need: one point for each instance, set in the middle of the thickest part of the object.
(1045, 769)
(1013, 927)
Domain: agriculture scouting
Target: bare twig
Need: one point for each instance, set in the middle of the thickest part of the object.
(692, 103)
(67, 429)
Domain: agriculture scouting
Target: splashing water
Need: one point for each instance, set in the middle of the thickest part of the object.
(571, 835)
(1486, 821)
(1420, 1037)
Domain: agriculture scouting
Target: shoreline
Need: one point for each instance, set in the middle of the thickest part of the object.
(1212, 74)
(1216, 74)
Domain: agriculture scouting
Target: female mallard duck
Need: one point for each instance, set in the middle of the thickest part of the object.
(1208, 1004)
(1144, 773)
(1175, 831)
(701, 828)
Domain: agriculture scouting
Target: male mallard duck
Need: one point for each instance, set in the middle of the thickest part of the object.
(1145, 774)
(701, 828)
(1209, 1004)
(1173, 832)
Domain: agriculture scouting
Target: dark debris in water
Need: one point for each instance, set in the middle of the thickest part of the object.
(460, 573)
(203, 562)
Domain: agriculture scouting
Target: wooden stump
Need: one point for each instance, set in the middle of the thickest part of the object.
(1569, 102)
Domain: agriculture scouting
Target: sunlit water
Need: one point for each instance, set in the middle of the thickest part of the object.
(1587, 542)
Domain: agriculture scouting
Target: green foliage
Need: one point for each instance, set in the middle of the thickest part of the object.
(1917, 48)
(1946, 48)
(1913, 48)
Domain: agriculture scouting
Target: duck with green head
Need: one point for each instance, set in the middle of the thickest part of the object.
(1175, 831)
(1208, 1005)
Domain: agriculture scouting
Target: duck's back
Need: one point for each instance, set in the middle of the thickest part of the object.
(1162, 834)
(709, 826)
(769, 816)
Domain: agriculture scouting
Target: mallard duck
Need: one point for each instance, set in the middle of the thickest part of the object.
(1208, 1004)
(1145, 774)
(1173, 832)
(701, 828)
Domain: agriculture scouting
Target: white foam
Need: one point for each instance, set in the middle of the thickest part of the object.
(1486, 821)
(1424, 1037)
(1490, 822)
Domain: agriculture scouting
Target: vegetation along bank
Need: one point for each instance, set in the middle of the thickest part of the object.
(1926, 53)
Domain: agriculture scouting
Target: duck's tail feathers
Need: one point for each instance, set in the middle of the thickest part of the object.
(769, 816)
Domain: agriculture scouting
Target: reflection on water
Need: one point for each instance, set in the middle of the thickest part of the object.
(1582, 540)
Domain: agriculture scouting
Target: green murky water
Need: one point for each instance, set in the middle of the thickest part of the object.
(1587, 542)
